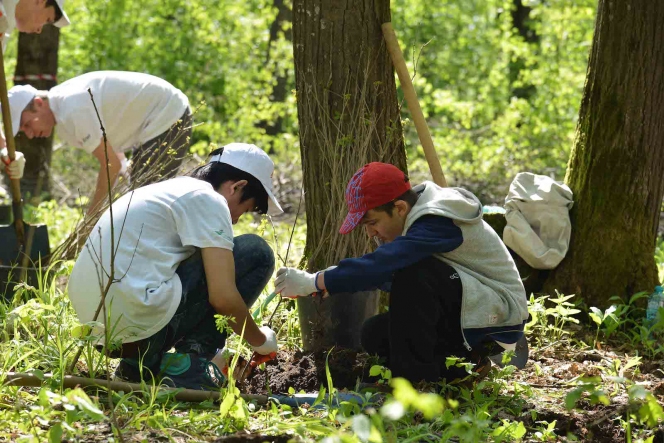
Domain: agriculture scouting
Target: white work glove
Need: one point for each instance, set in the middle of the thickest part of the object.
(292, 283)
(14, 169)
(270, 345)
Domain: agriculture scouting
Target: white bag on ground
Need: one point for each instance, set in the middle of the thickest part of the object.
(538, 225)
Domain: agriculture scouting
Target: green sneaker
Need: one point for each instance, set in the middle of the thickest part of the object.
(191, 371)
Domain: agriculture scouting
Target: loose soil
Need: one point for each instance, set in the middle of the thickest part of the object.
(306, 372)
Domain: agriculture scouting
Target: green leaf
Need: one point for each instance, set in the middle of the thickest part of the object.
(81, 331)
(596, 315)
(321, 396)
(81, 399)
(572, 397)
(226, 405)
(362, 427)
(375, 370)
(55, 433)
(393, 410)
(651, 412)
(37, 373)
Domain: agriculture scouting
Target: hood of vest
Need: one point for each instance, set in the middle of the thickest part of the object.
(455, 203)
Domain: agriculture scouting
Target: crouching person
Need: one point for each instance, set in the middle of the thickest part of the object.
(455, 290)
(177, 264)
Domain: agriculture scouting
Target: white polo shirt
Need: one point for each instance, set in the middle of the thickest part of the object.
(164, 224)
(134, 108)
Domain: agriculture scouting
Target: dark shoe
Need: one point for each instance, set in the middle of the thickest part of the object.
(191, 371)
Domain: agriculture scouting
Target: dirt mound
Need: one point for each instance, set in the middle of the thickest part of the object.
(306, 371)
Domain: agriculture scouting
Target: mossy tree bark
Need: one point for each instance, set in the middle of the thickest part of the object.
(348, 115)
(37, 65)
(617, 161)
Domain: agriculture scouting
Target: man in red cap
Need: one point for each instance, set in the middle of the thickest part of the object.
(455, 290)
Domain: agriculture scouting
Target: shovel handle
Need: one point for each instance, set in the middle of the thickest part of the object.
(413, 104)
(17, 202)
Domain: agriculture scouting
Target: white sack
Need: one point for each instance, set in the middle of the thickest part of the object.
(538, 225)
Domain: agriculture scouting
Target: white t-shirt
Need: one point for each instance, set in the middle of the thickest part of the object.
(134, 108)
(165, 222)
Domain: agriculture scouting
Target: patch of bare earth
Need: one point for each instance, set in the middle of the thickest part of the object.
(306, 372)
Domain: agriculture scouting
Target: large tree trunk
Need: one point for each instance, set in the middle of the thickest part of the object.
(617, 162)
(348, 115)
(37, 65)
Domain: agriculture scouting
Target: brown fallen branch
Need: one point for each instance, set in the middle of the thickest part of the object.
(70, 381)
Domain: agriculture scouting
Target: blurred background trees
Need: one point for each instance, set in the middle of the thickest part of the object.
(500, 80)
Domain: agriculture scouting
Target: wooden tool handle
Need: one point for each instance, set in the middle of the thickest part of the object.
(68, 381)
(17, 202)
(413, 104)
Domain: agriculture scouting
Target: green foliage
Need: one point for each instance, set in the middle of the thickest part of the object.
(609, 318)
(217, 53)
(496, 103)
(382, 372)
(589, 386)
(60, 219)
(550, 316)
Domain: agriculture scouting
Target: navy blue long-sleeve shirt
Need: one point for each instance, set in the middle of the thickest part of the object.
(428, 235)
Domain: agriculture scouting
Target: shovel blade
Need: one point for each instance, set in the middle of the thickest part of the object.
(11, 256)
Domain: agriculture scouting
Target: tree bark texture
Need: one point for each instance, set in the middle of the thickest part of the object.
(347, 111)
(348, 115)
(37, 65)
(617, 161)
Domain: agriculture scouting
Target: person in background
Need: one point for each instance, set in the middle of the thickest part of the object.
(141, 114)
(27, 16)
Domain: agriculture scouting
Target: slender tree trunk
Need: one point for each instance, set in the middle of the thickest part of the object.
(280, 90)
(37, 65)
(348, 115)
(617, 162)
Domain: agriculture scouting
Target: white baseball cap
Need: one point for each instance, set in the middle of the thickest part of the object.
(19, 98)
(253, 160)
(64, 20)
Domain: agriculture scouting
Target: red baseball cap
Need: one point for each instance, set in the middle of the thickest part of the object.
(373, 185)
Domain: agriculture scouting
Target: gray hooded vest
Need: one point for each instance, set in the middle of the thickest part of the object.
(493, 294)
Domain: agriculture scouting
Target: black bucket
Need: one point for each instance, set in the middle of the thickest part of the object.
(5, 214)
(11, 259)
(336, 320)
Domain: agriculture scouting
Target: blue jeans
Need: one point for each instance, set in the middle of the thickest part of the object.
(192, 329)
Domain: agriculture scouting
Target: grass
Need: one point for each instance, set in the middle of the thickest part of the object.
(590, 378)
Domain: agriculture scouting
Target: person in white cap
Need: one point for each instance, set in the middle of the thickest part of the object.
(141, 113)
(177, 265)
(28, 16)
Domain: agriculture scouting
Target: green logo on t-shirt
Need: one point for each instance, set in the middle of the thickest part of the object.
(219, 232)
